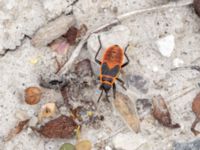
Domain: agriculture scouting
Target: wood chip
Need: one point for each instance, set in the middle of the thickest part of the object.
(125, 107)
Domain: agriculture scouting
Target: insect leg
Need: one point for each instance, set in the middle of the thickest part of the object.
(114, 90)
(122, 82)
(100, 96)
(100, 46)
(126, 63)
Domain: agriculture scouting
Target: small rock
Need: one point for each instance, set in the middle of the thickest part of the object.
(33, 121)
(191, 145)
(138, 82)
(155, 69)
(108, 148)
(53, 30)
(128, 141)
(166, 45)
(21, 115)
(143, 107)
(177, 62)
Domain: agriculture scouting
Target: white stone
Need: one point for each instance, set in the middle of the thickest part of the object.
(166, 45)
(128, 140)
(108, 148)
(177, 62)
(155, 69)
(33, 122)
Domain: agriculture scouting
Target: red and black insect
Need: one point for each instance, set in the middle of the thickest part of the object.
(111, 64)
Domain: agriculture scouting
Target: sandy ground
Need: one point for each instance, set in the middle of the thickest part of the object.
(19, 20)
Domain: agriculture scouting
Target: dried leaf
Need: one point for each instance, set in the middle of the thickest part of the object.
(61, 127)
(196, 110)
(32, 95)
(196, 4)
(47, 110)
(161, 112)
(125, 107)
(71, 35)
(84, 145)
(16, 130)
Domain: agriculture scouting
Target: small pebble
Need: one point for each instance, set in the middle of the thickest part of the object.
(166, 45)
(177, 62)
(33, 121)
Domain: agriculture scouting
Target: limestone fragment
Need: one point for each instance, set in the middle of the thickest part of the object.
(166, 45)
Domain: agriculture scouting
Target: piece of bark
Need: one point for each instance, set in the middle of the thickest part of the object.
(16, 130)
(161, 112)
(61, 127)
(127, 111)
(196, 110)
(53, 30)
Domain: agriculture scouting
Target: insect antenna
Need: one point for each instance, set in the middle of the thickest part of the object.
(100, 96)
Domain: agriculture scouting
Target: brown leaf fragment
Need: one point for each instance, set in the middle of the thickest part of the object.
(71, 35)
(196, 4)
(161, 112)
(61, 127)
(16, 130)
(196, 110)
(126, 110)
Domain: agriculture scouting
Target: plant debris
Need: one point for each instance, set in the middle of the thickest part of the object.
(32, 95)
(124, 106)
(16, 130)
(196, 110)
(71, 35)
(196, 4)
(83, 145)
(61, 127)
(67, 146)
(161, 112)
(47, 110)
